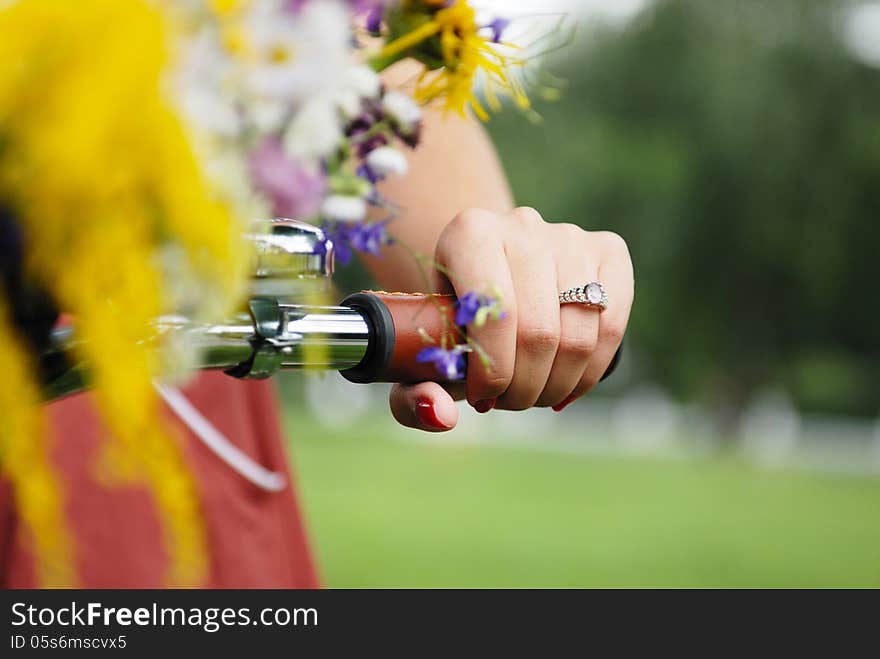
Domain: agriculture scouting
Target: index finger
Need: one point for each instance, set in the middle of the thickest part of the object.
(497, 338)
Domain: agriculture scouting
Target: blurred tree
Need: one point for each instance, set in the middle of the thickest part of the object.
(736, 146)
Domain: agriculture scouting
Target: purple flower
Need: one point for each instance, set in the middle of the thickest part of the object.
(366, 120)
(498, 26)
(467, 307)
(293, 190)
(360, 123)
(368, 238)
(335, 233)
(365, 172)
(472, 307)
(374, 142)
(294, 6)
(404, 114)
(374, 19)
(360, 236)
(373, 9)
(449, 363)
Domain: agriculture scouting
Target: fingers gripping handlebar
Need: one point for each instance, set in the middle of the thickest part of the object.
(372, 336)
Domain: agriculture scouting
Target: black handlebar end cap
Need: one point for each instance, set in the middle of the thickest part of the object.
(380, 347)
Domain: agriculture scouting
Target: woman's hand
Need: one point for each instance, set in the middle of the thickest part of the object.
(543, 354)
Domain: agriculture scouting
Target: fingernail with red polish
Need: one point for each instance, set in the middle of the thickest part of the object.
(561, 406)
(483, 406)
(427, 415)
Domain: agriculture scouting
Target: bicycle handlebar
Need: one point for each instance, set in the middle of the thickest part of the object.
(372, 336)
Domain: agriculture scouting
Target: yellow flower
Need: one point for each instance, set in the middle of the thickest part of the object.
(97, 168)
(465, 54)
(227, 7)
(24, 454)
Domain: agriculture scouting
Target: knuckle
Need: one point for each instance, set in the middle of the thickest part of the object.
(539, 340)
(493, 382)
(528, 215)
(569, 231)
(611, 332)
(467, 227)
(578, 346)
(470, 220)
(614, 242)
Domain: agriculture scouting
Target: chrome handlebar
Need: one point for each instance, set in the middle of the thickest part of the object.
(294, 261)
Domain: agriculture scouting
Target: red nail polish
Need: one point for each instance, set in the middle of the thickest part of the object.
(483, 406)
(427, 415)
(561, 406)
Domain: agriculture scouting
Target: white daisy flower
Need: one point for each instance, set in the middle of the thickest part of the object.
(344, 208)
(387, 161)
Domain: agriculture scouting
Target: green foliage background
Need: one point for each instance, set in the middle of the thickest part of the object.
(736, 146)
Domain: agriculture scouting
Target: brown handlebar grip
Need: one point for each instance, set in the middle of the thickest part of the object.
(399, 326)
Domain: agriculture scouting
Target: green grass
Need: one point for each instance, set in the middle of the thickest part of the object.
(386, 513)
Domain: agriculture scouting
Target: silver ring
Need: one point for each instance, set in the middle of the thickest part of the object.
(590, 295)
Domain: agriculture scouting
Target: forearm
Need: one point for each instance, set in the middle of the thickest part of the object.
(454, 167)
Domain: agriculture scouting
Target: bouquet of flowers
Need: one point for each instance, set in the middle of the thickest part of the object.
(137, 137)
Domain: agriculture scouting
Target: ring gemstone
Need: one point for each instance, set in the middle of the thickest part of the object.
(594, 293)
(591, 295)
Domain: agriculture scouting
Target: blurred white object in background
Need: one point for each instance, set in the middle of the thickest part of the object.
(861, 32)
(646, 419)
(538, 424)
(771, 427)
(876, 442)
(337, 403)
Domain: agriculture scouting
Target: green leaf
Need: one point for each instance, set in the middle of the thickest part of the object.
(481, 316)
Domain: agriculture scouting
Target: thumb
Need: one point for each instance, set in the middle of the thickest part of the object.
(425, 406)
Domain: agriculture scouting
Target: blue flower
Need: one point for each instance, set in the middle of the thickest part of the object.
(474, 308)
(449, 363)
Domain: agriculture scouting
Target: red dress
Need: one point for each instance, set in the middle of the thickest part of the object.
(256, 537)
